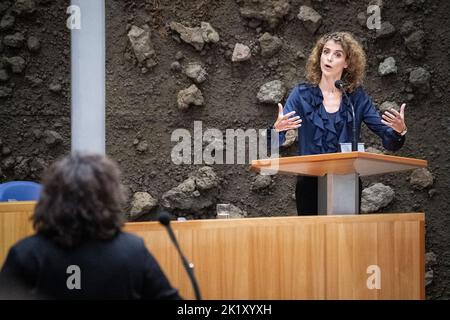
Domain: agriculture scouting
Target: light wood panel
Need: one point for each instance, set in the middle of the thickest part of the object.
(15, 224)
(324, 257)
(364, 163)
(321, 257)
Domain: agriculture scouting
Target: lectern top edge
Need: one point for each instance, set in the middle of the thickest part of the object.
(341, 156)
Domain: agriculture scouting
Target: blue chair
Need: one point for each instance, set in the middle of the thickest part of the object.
(19, 191)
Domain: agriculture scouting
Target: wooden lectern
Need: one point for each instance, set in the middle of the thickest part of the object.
(338, 174)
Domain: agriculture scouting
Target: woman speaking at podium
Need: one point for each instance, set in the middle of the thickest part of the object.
(322, 112)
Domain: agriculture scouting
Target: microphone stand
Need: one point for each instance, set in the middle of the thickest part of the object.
(164, 219)
(340, 85)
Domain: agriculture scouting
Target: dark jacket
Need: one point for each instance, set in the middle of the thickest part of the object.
(318, 135)
(119, 268)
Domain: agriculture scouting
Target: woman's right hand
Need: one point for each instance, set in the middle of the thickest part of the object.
(284, 123)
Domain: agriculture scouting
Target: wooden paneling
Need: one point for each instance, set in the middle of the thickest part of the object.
(321, 257)
(15, 224)
(324, 257)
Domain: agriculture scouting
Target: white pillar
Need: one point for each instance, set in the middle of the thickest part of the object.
(88, 77)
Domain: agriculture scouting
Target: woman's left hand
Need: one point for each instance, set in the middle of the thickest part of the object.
(394, 119)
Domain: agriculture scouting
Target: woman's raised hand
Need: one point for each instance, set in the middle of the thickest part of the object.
(284, 122)
(395, 119)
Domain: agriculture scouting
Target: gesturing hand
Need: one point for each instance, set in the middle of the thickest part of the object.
(284, 123)
(395, 120)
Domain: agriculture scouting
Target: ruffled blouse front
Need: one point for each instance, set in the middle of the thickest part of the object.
(326, 133)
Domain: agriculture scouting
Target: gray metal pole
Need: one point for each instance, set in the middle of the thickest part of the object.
(88, 77)
(338, 194)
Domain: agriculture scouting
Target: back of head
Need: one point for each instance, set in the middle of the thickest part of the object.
(81, 200)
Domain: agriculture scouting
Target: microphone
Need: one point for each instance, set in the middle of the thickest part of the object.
(339, 84)
(164, 219)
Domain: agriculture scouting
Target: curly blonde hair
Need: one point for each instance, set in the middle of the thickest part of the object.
(353, 75)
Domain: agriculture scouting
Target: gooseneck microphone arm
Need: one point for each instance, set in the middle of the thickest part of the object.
(340, 85)
(164, 219)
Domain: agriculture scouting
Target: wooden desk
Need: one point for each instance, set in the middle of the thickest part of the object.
(320, 257)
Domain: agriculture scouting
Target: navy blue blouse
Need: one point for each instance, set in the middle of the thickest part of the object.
(321, 133)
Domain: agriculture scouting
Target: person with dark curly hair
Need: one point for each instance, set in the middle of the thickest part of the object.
(79, 250)
(324, 118)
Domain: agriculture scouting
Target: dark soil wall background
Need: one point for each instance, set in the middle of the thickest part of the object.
(143, 108)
